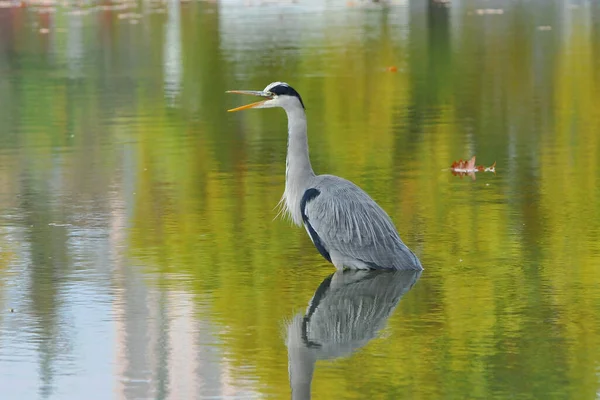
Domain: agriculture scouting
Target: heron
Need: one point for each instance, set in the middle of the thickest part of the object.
(348, 228)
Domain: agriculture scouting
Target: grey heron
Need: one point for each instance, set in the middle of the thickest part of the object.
(347, 227)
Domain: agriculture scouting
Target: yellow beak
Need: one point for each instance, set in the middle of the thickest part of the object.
(252, 93)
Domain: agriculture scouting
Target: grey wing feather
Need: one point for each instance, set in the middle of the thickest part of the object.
(348, 221)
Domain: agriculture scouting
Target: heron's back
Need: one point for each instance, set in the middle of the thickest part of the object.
(342, 219)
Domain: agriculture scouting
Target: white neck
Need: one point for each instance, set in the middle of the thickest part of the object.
(298, 171)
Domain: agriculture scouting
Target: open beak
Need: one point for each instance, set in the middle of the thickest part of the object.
(268, 96)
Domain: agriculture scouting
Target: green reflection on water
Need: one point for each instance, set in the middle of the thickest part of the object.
(121, 129)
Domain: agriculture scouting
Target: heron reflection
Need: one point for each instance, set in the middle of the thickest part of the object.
(347, 310)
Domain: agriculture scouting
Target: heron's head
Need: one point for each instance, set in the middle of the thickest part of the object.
(276, 94)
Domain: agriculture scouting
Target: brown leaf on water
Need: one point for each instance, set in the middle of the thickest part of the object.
(464, 167)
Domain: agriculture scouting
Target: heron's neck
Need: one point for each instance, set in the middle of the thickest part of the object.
(298, 171)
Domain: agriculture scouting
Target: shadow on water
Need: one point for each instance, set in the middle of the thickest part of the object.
(347, 311)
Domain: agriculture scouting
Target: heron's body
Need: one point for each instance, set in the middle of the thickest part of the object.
(346, 226)
(350, 229)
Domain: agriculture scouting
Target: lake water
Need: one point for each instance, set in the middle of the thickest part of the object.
(139, 254)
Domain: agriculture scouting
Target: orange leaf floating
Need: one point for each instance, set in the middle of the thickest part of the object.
(462, 168)
(392, 68)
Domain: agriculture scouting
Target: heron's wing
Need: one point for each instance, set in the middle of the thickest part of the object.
(347, 220)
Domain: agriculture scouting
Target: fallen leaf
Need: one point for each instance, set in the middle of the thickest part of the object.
(392, 68)
(463, 167)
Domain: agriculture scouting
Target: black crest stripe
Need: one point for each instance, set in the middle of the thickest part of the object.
(287, 90)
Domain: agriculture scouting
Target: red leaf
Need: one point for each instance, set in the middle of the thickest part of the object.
(462, 168)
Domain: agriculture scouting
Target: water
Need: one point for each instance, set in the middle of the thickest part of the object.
(138, 250)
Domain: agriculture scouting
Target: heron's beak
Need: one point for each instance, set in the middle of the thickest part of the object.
(268, 96)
